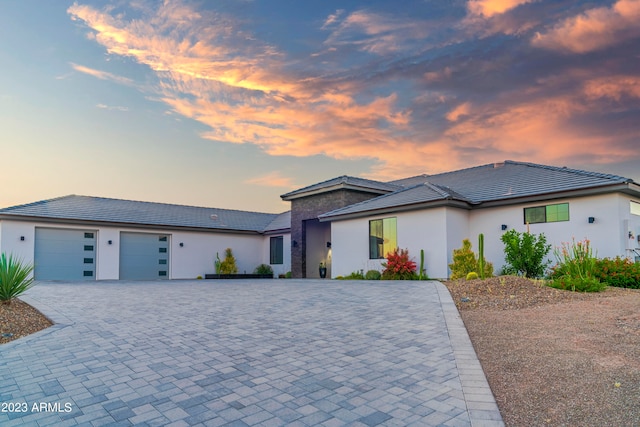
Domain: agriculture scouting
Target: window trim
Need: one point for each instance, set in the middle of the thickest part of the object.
(546, 213)
(381, 254)
(276, 250)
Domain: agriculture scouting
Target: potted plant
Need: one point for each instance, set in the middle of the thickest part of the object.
(322, 270)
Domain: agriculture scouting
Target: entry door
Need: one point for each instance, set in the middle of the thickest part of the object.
(64, 254)
(144, 256)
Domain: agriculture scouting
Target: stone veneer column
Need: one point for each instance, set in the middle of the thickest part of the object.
(306, 208)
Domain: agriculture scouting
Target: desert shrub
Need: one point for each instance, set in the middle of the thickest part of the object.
(14, 278)
(228, 264)
(288, 275)
(465, 261)
(199, 278)
(373, 275)
(472, 275)
(578, 284)
(575, 270)
(263, 269)
(618, 272)
(525, 253)
(399, 266)
(356, 275)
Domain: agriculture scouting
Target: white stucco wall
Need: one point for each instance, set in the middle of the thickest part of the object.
(441, 230)
(286, 256)
(194, 258)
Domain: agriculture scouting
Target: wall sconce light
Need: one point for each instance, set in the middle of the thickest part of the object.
(110, 242)
(591, 220)
(503, 227)
(22, 238)
(329, 245)
(181, 245)
(294, 243)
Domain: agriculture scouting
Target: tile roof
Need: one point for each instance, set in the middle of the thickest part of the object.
(85, 208)
(491, 182)
(343, 181)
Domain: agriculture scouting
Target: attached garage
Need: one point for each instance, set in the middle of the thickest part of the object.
(64, 254)
(144, 256)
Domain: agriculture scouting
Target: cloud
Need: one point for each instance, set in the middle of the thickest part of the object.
(407, 93)
(102, 75)
(489, 8)
(272, 179)
(112, 107)
(594, 29)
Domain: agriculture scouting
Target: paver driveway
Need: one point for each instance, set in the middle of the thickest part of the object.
(270, 352)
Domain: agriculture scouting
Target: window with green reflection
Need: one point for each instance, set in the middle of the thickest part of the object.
(382, 237)
(549, 213)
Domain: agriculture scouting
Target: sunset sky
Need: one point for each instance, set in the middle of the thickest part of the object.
(231, 103)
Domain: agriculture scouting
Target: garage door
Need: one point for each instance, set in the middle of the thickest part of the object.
(144, 256)
(65, 254)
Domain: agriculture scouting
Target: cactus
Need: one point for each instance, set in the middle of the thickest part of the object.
(421, 273)
(481, 255)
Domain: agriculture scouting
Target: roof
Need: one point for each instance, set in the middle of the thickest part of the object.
(99, 209)
(343, 182)
(497, 182)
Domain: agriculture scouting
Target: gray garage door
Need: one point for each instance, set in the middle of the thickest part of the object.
(144, 256)
(64, 254)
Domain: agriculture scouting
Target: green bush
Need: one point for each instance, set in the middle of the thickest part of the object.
(356, 275)
(372, 275)
(578, 284)
(472, 275)
(228, 265)
(399, 266)
(525, 253)
(263, 269)
(14, 278)
(288, 275)
(576, 267)
(618, 272)
(465, 261)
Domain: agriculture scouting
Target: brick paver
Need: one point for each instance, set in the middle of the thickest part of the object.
(227, 353)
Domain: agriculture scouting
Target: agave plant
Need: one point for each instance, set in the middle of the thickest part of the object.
(14, 278)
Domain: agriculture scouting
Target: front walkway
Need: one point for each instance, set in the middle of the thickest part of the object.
(269, 352)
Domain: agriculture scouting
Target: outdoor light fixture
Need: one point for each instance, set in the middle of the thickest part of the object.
(294, 243)
(329, 245)
(110, 242)
(503, 226)
(22, 238)
(591, 220)
(181, 244)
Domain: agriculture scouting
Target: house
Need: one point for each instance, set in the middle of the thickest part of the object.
(89, 238)
(348, 223)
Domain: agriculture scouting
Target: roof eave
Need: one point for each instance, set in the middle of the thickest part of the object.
(630, 188)
(396, 209)
(85, 222)
(334, 187)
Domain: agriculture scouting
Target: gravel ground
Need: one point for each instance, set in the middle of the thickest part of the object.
(552, 358)
(19, 319)
(555, 358)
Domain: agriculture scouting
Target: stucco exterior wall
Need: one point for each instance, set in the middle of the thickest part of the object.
(441, 230)
(286, 255)
(194, 258)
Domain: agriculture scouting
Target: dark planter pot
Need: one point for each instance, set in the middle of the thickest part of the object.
(323, 272)
(238, 276)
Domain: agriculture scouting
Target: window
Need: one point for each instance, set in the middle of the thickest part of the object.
(276, 252)
(88, 248)
(88, 235)
(635, 208)
(88, 260)
(549, 213)
(382, 237)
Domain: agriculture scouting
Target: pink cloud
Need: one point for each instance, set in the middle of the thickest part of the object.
(594, 29)
(489, 8)
(102, 75)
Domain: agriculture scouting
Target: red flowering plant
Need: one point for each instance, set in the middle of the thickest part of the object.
(399, 266)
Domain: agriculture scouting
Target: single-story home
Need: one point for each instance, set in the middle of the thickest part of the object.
(347, 223)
